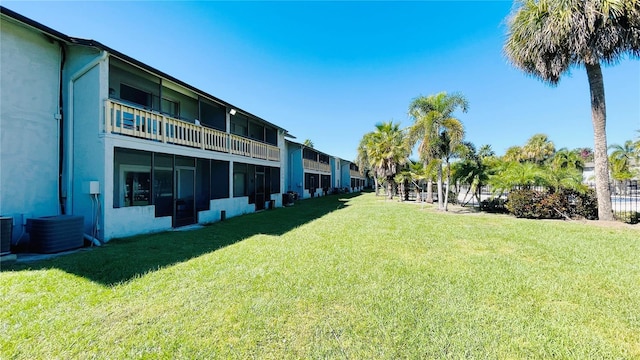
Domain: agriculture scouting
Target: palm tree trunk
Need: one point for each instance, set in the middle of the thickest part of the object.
(440, 207)
(446, 194)
(389, 189)
(599, 119)
(429, 185)
(375, 183)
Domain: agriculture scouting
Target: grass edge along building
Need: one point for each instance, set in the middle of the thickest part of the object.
(91, 132)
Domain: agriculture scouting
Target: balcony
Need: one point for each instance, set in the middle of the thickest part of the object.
(128, 120)
(315, 165)
(355, 173)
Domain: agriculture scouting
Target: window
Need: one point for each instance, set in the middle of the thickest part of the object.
(132, 178)
(171, 108)
(202, 184)
(311, 181)
(163, 184)
(271, 136)
(275, 180)
(220, 179)
(325, 181)
(136, 185)
(239, 179)
(134, 95)
(239, 125)
(309, 154)
(213, 115)
(256, 131)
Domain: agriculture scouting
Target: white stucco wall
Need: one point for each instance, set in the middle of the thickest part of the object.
(29, 98)
(88, 155)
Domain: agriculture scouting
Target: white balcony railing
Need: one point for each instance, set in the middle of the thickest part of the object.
(354, 173)
(129, 120)
(315, 165)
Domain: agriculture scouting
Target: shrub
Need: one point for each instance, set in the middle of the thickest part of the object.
(533, 204)
(629, 217)
(453, 197)
(585, 205)
(493, 205)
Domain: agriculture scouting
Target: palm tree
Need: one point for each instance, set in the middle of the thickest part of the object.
(516, 174)
(558, 178)
(387, 151)
(513, 153)
(418, 176)
(403, 178)
(437, 132)
(538, 149)
(621, 159)
(486, 151)
(474, 170)
(362, 159)
(308, 143)
(546, 38)
(567, 159)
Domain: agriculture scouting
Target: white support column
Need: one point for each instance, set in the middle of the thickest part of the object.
(230, 179)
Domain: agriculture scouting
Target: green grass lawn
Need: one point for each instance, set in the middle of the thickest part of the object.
(352, 277)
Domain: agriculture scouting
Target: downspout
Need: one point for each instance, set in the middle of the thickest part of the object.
(60, 128)
(72, 79)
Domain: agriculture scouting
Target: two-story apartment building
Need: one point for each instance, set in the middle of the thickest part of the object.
(87, 130)
(314, 173)
(309, 171)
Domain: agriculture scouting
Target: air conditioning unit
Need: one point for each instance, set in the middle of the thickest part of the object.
(51, 234)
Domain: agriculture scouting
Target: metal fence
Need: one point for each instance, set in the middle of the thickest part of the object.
(625, 200)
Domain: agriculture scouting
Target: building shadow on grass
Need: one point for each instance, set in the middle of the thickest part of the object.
(123, 259)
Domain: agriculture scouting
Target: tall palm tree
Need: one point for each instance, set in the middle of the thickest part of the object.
(363, 161)
(547, 37)
(387, 151)
(437, 132)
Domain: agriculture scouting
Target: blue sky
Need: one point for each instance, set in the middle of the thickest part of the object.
(329, 71)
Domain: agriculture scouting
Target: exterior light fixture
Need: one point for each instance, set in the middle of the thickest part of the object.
(232, 111)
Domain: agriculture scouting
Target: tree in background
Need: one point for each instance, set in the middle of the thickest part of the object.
(363, 161)
(586, 154)
(621, 159)
(513, 153)
(546, 38)
(567, 159)
(538, 149)
(486, 151)
(473, 170)
(387, 150)
(438, 133)
(308, 143)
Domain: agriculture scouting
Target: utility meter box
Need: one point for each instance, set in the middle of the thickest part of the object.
(92, 187)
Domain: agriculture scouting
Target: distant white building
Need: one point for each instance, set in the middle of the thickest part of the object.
(589, 174)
